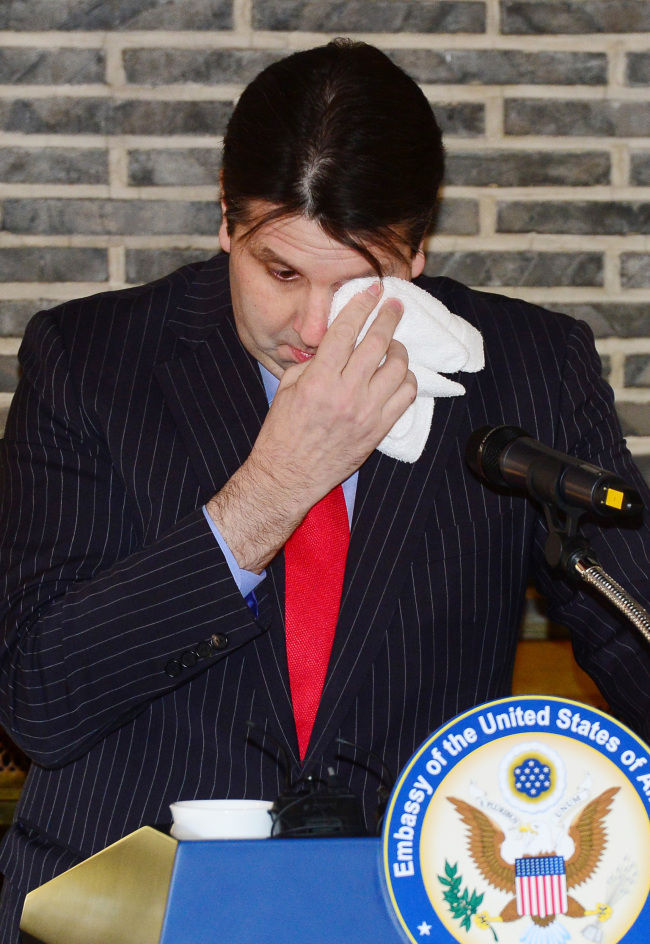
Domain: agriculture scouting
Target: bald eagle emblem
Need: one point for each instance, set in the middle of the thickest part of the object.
(541, 885)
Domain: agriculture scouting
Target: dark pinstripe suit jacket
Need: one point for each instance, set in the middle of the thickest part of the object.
(134, 408)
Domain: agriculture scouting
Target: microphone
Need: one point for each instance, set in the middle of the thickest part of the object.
(507, 456)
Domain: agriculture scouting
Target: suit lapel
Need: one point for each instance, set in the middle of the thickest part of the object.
(391, 508)
(213, 387)
(215, 392)
(216, 395)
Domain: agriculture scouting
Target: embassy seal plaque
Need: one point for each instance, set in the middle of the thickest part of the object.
(523, 820)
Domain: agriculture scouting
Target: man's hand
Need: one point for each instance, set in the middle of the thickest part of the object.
(327, 416)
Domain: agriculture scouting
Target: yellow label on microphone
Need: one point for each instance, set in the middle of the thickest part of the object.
(614, 498)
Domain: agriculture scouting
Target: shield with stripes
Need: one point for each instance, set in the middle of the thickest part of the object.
(541, 886)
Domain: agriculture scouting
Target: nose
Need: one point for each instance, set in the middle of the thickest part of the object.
(311, 322)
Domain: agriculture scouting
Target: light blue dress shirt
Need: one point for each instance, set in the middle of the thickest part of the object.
(246, 580)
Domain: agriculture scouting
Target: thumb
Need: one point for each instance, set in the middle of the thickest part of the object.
(292, 375)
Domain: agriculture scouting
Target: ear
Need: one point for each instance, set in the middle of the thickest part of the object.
(224, 236)
(418, 261)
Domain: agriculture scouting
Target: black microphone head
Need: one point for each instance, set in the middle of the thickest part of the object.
(484, 448)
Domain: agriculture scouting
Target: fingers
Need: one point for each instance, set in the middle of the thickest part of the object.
(332, 411)
(340, 338)
(388, 377)
(291, 374)
(369, 354)
(371, 381)
(400, 401)
(392, 387)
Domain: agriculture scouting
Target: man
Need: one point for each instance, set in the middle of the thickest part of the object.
(151, 496)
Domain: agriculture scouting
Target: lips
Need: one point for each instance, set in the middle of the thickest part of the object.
(299, 356)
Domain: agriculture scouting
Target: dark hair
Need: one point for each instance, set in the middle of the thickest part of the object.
(341, 135)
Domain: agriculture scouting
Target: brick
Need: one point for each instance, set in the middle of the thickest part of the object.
(111, 217)
(599, 117)
(637, 370)
(56, 115)
(369, 16)
(205, 66)
(606, 366)
(141, 117)
(8, 373)
(635, 270)
(643, 463)
(3, 419)
(113, 15)
(640, 168)
(575, 216)
(191, 167)
(527, 168)
(609, 319)
(502, 67)
(53, 165)
(465, 119)
(638, 68)
(518, 268)
(145, 265)
(53, 264)
(102, 116)
(575, 16)
(458, 217)
(634, 417)
(14, 315)
(51, 66)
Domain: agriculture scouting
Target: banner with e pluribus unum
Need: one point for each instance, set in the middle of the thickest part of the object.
(524, 820)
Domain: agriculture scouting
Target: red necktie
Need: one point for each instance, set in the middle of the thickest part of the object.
(314, 558)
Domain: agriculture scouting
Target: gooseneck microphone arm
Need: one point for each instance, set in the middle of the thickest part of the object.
(595, 575)
(566, 487)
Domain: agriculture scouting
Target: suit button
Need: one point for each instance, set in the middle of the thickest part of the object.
(219, 641)
(173, 668)
(189, 659)
(204, 650)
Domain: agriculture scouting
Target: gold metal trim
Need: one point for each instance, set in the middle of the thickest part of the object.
(118, 896)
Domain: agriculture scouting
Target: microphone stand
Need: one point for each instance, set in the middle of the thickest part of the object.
(595, 575)
(567, 551)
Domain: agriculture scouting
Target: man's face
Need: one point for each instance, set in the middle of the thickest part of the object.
(282, 281)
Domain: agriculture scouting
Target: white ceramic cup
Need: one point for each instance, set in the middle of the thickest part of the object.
(221, 819)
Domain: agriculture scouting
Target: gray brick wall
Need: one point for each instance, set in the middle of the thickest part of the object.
(111, 117)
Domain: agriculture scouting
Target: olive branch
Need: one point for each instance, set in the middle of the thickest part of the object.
(461, 904)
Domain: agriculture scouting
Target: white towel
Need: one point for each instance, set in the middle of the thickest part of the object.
(436, 340)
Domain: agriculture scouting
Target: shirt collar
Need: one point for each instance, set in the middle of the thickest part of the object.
(270, 382)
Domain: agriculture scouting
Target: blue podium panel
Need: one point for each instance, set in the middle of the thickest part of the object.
(279, 891)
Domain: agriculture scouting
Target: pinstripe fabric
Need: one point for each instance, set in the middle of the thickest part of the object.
(133, 409)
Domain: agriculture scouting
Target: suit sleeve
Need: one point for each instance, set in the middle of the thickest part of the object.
(91, 621)
(605, 644)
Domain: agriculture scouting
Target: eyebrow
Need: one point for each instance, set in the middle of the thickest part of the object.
(266, 254)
